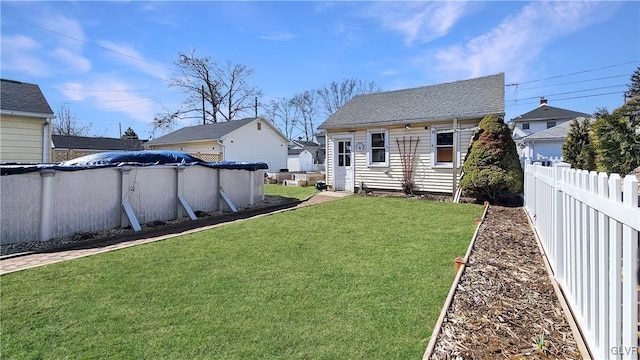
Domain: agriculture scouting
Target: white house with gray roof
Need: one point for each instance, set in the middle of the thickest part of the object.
(377, 140)
(250, 139)
(25, 123)
(540, 133)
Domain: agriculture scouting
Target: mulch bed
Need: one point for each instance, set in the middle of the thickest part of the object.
(157, 228)
(504, 306)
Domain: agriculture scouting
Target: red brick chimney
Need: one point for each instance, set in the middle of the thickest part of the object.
(543, 101)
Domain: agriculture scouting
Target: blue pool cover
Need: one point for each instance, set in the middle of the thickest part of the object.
(129, 158)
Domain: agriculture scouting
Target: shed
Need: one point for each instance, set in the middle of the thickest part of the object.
(418, 136)
(250, 139)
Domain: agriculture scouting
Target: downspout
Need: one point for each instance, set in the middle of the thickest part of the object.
(45, 141)
(455, 158)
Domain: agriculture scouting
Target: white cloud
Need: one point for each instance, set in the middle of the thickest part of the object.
(19, 53)
(518, 40)
(419, 22)
(107, 93)
(126, 54)
(77, 62)
(279, 36)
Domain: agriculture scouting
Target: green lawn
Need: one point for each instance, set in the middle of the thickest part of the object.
(355, 278)
(298, 192)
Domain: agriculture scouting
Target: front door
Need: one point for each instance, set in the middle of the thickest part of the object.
(343, 165)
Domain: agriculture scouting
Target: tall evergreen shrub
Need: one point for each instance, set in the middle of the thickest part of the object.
(492, 170)
(577, 148)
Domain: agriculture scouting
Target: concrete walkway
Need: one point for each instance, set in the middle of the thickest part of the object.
(31, 260)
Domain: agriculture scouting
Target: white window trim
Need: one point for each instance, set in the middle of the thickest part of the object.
(386, 148)
(444, 165)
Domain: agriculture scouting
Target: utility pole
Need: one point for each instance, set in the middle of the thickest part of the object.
(256, 106)
(204, 122)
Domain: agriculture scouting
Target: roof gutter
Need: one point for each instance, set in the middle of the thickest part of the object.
(27, 114)
(409, 121)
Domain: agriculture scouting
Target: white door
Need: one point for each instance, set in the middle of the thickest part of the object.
(343, 165)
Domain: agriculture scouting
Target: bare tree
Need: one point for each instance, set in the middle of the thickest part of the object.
(67, 124)
(283, 115)
(213, 92)
(306, 106)
(335, 95)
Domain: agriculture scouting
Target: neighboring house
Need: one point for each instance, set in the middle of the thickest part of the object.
(545, 146)
(312, 147)
(25, 123)
(300, 160)
(251, 139)
(431, 126)
(541, 118)
(71, 147)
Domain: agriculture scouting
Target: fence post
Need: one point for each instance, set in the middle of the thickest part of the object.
(602, 327)
(558, 221)
(615, 258)
(630, 270)
(46, 204)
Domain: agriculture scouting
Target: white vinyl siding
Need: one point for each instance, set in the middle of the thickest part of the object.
(21, 139)
(425, 177)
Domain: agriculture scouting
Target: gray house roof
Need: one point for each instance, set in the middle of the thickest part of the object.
(546, 113)
(95, 143)
(466, 99)
(202, 132)
(23, 99)
(558, 132)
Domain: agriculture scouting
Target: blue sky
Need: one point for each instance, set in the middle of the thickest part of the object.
(109, 60)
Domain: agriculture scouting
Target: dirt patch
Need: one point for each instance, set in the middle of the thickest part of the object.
(153, 229)
(505, 306)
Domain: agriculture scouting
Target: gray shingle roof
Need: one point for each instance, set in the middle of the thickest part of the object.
(553, 133)
(201, 132)
(546, 113)
(474, 98)
(22, 97)
(95, 143)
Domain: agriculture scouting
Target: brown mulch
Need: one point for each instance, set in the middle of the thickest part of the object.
(504, 306)
(157, 228)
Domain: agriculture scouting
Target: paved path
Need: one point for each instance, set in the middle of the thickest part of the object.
(31, 260)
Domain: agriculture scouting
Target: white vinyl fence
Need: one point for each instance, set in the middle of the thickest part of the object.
(588, 224)
(48, 204)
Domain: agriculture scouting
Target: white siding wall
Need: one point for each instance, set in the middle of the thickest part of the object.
(537, 126)
(426, 177)
(205, 147)
(250, 144)
(21, 139)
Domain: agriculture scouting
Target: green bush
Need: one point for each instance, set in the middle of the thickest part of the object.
(577, 148)
(491, 168)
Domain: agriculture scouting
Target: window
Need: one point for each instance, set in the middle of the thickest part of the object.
(378, 144)
(259, 126)
(444, 148)
(551, 124)
(442, 151)
(525, 126)
(344, 153)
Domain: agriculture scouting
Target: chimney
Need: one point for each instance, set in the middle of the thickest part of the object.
(543, 101)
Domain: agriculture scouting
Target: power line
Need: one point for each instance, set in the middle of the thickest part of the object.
(88, 42)
(575, 91)
(515, 103)
(574, 82)
(574, 73)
